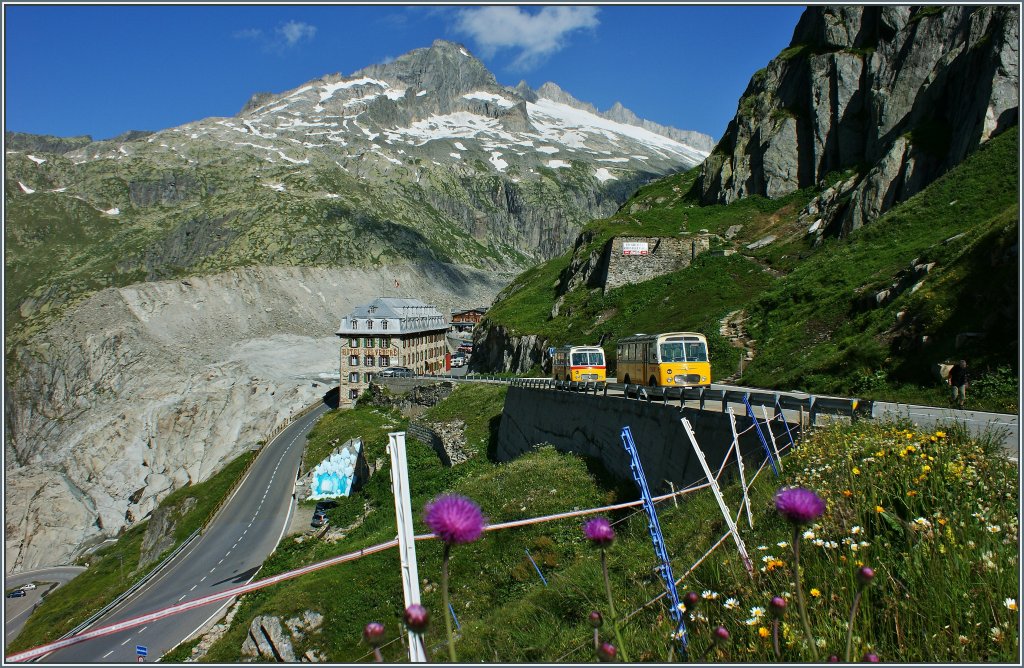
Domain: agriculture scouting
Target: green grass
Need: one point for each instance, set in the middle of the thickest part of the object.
(812, 327)
(813, 334)
(930, 587)
(112, 569)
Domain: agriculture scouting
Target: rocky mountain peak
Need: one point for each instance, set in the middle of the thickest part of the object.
(622, 114)
(446, 68)
(554, 93)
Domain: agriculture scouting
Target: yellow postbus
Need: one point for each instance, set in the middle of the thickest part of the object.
(675, 359)
(579, 363)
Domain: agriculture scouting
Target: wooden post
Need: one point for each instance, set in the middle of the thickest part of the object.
(406, 537)
(739, 460)
(721, 502)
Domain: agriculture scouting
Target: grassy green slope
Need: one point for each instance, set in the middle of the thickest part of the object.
(812, 332)
(811, 329)
(508, 615)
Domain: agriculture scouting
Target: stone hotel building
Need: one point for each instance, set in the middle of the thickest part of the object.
(390, 332)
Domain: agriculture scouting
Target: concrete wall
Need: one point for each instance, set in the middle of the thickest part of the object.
(591, 426)
(665, 255)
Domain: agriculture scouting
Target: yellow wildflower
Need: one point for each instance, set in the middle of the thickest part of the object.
(847, 493)
(940, 434)
(856, 471)
(912, 493)
(763, 632)
(926, 468)
(815, 592)
(879, 509)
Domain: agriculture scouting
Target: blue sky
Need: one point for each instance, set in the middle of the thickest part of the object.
(103, 70)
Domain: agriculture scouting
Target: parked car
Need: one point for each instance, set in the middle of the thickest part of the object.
(395, 372)
(458, 361)
(319, 518)
(17, 593)
(26, 587)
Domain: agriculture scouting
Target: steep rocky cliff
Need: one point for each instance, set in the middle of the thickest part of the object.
(881, 99)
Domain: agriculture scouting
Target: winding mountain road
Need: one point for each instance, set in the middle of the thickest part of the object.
(227, 554)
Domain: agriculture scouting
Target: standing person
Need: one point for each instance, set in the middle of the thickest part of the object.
(958, 379)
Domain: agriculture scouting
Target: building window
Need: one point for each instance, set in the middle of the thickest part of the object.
(369, 323)
(353, 343)
(385, 342)
(368, 360)
(353, 393)
(383, 324)
(353, 377)
(385, 360)
(353, 360)
(355, 324)
(366, 377)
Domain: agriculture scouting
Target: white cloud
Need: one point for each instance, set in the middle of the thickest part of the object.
(536, 36)
(294, 32)
(248, 33)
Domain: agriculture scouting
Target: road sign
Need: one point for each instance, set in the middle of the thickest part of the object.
(141, 650)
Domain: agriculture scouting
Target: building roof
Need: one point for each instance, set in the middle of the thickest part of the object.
(405, 315)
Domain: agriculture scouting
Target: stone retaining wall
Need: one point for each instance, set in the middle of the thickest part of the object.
(591, 425)
(664, 255)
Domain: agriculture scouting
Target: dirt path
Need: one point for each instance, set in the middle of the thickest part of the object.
(733, 327)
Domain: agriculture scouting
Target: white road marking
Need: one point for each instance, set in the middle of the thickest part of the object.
(204, 577)
(143, 629)
(213, 569)
(234, 546)
(108, 654)
(125, 641)
(226, 554)
(182, 597)
(193, 587)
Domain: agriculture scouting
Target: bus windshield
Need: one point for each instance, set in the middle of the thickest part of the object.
(694, 351)
(587, 359)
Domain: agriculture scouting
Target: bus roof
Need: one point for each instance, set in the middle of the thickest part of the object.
(668, 336)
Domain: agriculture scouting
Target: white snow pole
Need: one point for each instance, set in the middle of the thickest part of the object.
(406, 540)
(721, 502)
(739, 460)
(768, 422)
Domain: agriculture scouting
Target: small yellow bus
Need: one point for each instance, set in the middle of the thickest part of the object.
(578, 363)
(675, 359)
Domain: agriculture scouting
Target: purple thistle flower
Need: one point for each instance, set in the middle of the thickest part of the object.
(691, 599)
(599, 532)
(721, 635)
(606, 652)
(374, 633)
(870, 657)
(833, 659)
(865, 575)
(454, 519)
(777, 606)
(799, 505)
(417, 618)
(596, 619)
